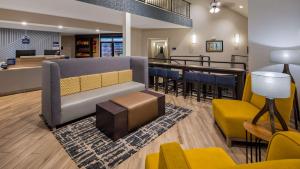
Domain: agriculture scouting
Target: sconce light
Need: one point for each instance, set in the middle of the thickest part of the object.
(237, 40)
(194, 39)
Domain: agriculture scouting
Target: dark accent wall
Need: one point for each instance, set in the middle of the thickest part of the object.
(139, 8)
(11, 40)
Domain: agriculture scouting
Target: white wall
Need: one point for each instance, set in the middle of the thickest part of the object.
(222, 26)
(273, 24)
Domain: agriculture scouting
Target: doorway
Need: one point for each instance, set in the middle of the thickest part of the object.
(158, 48)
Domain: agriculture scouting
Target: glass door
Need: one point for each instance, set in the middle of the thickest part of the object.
(118, 49)
(106, 47)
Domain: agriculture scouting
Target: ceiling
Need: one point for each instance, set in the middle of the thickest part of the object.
(235, 6)
(81, 18)
(50, 28)
(82, 11)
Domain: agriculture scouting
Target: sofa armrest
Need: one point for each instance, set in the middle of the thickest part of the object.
(51, 99)
(139, 66)
(171, 156)
(284, 145)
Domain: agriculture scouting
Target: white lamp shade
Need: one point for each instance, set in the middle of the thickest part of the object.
(286, 56)
(271, 85)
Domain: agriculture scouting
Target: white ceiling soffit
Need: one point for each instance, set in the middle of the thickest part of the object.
(235, 6)
(49, 28)
(84, 11)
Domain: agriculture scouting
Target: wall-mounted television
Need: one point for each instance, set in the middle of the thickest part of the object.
(25, 53)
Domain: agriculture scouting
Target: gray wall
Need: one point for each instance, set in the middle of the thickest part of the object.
(273, 24)
(11, 40)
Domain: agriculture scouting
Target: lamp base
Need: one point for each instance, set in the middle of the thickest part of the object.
(273, 112)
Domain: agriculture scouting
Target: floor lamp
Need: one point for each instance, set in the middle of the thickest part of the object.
(288, 57)
(273, 86)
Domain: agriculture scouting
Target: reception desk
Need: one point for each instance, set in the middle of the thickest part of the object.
(25, 76)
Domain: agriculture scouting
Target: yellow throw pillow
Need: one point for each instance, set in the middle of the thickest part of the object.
(110, 78)
(125, 76)
(69, 86)
(90, 82)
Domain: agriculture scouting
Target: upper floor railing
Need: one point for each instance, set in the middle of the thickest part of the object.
(181, 7)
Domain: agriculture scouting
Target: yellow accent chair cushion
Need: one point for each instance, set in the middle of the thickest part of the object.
(90, 82)
(283, 153)
(110, 78)
(231, 114)
(171, 156)
(125, 76)
(69, 86)
(284, 145)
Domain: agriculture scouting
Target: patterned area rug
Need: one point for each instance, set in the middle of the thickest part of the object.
(91, 149)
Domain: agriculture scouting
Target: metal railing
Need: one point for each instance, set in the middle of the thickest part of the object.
(181, 7)
(200, 58)
(244, 66)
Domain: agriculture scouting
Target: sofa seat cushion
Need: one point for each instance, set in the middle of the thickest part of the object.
(231, 114)
(84, 103)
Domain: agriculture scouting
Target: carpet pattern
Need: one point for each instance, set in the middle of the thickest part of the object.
(91, 149)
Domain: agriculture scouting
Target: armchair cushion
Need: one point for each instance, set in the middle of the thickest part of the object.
(171, 156)
(208, 158)
(277, 164)
(231, 114)
(284, 145)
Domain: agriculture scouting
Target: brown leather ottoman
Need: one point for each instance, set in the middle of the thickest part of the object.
(121, 115)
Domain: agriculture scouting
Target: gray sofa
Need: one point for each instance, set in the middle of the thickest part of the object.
(57, 109)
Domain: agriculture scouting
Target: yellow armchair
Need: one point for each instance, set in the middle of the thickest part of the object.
(283, 153)
(231, 114)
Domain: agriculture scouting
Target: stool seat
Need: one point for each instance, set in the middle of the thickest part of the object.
(207, 78)
(226, 80)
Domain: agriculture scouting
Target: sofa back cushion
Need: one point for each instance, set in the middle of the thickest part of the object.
(69, 86)
(125, 76)
(86, 66)
(110, 78)
(90, 82)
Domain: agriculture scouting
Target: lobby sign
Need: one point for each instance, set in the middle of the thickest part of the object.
(26, 40)
(55, 46)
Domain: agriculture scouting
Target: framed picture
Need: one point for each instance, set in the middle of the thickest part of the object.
(214, 46)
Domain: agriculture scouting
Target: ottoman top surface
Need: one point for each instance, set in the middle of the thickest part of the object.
(134, 99)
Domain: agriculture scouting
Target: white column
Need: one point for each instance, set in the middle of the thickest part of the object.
(127, 34)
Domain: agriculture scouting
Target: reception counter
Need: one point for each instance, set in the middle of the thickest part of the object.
(20, 79)
(25, 76)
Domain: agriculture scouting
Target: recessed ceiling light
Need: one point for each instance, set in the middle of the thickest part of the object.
(97, 30)
(241, 6)
(24, 23)
(60, 27)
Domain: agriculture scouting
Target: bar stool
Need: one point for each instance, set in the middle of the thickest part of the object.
(226, 81)
(152, 74)
(205, 80)
(191, 77)
(161, 73)
(173, 77)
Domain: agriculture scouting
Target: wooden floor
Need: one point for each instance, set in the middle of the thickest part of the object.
(25, 141)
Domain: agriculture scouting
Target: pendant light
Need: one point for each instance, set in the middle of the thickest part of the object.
(215, 7)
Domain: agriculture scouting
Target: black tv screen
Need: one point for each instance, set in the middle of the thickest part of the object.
(51, 52)
(25, 53)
